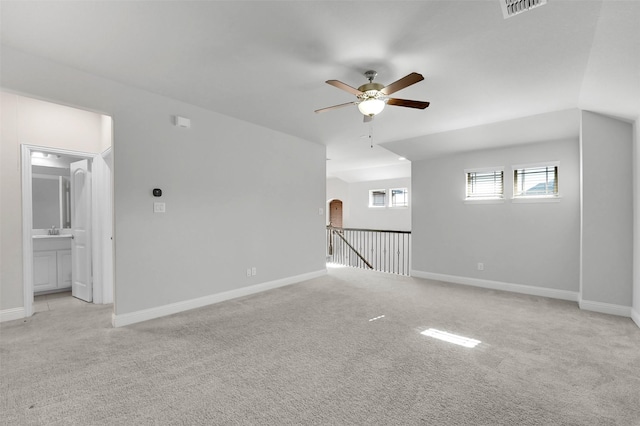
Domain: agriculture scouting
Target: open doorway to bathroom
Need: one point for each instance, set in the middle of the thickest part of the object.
(67, 191)
(67, 217)
(68, 228)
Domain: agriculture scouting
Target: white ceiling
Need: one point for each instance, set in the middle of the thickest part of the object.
(266, 62)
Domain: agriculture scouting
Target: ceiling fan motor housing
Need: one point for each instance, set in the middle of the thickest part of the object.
(371, 87)
(370, 90)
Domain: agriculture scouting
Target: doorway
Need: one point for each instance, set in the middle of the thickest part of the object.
(67, 224)
(335, 213)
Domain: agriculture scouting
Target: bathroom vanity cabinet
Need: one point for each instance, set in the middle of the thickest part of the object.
(51, 262)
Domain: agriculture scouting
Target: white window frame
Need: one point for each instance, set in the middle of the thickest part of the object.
(496, 198)
(371, 205)
(406, 197)
(544, 198)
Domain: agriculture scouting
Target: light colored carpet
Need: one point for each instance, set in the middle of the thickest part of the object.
(311, 354)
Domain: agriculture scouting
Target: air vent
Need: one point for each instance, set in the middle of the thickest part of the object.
(514, 7)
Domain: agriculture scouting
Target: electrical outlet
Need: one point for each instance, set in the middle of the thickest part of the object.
(480, 266)
(254, 271)
(248, 272)
(159, 208)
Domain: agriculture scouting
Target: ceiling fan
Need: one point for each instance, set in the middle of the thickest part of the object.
(372, 97)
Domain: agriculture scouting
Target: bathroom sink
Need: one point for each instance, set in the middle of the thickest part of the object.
(53, 236)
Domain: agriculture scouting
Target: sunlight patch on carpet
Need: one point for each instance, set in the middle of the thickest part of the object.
(451, 338)
(335, 265)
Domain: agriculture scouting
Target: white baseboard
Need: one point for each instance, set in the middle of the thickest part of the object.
(499, 285)
(635, 316)
(11, 314)
(174, 308)
(605, 308)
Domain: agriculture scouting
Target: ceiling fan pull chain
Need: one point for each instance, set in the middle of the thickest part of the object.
(371, 133)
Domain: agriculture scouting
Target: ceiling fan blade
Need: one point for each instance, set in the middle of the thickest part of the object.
(407, 103)
(405, 81)
(344, 86)
(334, 107)
(367, 118)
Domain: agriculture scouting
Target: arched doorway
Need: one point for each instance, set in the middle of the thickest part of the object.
(335, 213)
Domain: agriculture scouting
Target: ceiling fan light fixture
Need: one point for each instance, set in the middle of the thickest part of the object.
(371, 106)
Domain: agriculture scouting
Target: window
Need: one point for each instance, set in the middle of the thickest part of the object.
(485, 184)
(399, 197)
(535, 182)
(378, 198)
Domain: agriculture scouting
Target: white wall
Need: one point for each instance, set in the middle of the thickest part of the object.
(387, 218)
(337, 189)
(532, 244)
(355, 204)
(607, 211)
(237, 195)
(635, 314)
(30, 121)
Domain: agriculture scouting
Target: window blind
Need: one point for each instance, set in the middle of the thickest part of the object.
(535, 182)
(485, 184)
(399, 197)
(378, 198)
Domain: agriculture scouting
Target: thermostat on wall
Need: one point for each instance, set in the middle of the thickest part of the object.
(157, 192)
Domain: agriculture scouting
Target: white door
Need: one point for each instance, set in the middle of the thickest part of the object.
(82, 286)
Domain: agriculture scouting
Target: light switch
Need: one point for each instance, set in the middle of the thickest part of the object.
(159, 207)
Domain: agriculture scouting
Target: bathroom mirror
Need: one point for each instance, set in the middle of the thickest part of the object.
(51, 202)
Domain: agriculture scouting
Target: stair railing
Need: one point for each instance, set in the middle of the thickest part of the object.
(356, 252)
(380, 250)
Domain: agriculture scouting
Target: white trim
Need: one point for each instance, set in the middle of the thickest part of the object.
(540, 199)
(11, 314)
(41, 176)
(484, 169)
(635, 316)
(498, 285)
(581, 189)
(174, 308)
(105, 195)
(27, 230)
(96, 247)
(101, 222)
(484, 200)
(605, 308)
(536, 165)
